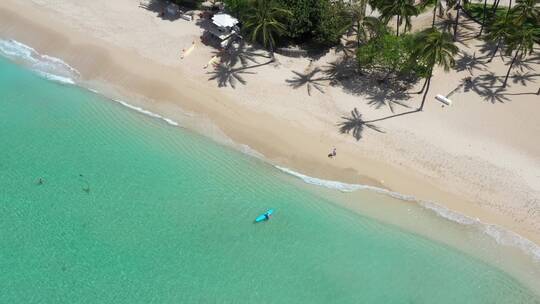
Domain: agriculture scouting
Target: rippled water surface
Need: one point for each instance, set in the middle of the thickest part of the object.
(132, 210)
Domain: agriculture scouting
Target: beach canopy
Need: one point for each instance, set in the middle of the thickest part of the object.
(224, 20)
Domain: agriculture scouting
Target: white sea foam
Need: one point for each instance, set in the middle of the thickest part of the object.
(49, 67)
(344, 187)
(56, 78)
(250, 151)
(146, 112)
(499, 234)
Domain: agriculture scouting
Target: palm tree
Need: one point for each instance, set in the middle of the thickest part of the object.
(495, 6)
(526, 10)
(497, 32)
(434, 47)
(521, 40)
(263, 22)
(357, 11)
(458, 7)
(369, 28)
(509, 8)
(237, 7)
(403, 9)
(484, 15)
(436, 4)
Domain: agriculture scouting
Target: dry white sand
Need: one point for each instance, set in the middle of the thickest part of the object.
(480, 157)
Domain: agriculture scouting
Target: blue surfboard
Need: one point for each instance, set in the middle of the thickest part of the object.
(263, 217)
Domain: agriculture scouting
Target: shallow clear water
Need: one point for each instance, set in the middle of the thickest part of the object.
(135, 211)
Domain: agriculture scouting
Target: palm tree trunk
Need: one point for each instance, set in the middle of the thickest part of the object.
(426, 91)
(423, 87)
(510, 68)
(495, 6)
(272, 57)
(495, 51)
(509, 7)
(358, 29)
(458, 7)
(434, 13)
(397, 26)
(483, 19)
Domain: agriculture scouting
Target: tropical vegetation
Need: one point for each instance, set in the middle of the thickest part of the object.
(385, 48)
(434, 48)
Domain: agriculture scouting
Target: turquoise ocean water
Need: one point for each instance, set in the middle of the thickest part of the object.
(133, 210)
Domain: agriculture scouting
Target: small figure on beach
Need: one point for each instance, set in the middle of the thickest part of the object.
(333, 153)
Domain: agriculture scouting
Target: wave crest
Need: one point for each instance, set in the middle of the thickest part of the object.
(49, 67)
(500, 234)
(146, 112)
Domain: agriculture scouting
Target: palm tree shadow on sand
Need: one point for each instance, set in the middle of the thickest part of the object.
(242, 54)
(225, 75)
(355, 124)
(470, 63)
(486, 86)
(234, 64)
(378, 89)
(308, 80)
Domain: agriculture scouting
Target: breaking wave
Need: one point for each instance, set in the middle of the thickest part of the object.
(500, 234)
(146, 112)
(49, 67)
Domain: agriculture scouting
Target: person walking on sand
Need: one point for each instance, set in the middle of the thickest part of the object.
(333, 153)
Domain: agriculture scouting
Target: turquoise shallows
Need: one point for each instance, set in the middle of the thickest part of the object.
(132, 210)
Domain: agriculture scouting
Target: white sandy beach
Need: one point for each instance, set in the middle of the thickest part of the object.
(479, 157)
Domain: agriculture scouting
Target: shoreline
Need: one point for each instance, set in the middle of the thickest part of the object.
(498, 234)
(134, 76)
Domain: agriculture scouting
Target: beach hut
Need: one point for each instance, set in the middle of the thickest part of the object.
(224, 28)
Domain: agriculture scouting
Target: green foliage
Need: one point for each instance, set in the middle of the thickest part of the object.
(499, 29)
(433, 47)
(194, 4)
(237, 8)
(403, 9)
(524, 12)
(372, 27)
(527, 12)
(333, 23)
(321, 21)
(476, 10)
(522, 39)
(305, 15)
(264, 23)
(390, 53)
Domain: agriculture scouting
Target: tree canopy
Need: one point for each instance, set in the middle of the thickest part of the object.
(318, 21)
